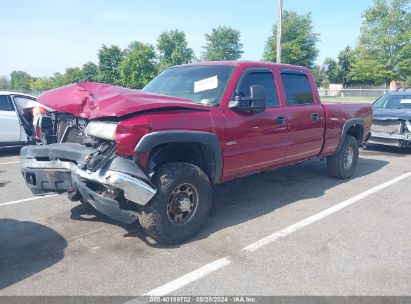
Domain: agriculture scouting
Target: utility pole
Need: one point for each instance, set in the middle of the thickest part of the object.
(279, 21)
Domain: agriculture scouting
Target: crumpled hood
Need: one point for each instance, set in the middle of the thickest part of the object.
(391, 114)
(95, 100)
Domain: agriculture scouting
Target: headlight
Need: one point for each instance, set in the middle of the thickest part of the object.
(106, 130)
(408, 125)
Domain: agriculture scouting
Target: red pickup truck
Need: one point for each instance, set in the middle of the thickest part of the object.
(154, 155)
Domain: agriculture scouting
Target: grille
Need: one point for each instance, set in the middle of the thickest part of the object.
(70, 129)
(61, 128)
(67, 132)
(75, 135)
(387, 126)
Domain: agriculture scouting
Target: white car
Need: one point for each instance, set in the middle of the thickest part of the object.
(16, 118)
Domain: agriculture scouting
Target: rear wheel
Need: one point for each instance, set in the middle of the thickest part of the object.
(181, 205)
(343, 164)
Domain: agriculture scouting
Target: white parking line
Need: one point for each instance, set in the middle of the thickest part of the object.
(26, 200)
(316, 217)
(189, 278)
(213, 266)
(9, 163)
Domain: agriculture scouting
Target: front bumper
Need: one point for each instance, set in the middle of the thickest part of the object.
(60, 168)
(390, 139)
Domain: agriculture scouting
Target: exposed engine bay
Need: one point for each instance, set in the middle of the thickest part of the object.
(59, 127)
(392, 132)
(65, 128)
(391, 123)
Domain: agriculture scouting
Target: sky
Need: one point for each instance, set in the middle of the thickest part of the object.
(45, 36)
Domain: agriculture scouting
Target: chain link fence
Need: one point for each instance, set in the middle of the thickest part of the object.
(375, 93)
(357, 94)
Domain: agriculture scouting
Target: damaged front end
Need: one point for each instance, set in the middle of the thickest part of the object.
(92, 172)
(89, 144)
(391, 132)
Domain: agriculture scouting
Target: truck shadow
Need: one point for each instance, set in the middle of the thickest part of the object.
(250, 197)
(86, 213)
(3, 183)
(378, 149)
(27, 248)
(10, 151)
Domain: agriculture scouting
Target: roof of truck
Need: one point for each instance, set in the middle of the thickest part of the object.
(243, 62)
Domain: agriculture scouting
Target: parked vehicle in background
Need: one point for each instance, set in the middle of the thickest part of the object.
(391, 123)
(154, 155)
(18, 116)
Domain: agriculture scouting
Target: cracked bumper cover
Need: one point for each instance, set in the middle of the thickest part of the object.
(58, 168)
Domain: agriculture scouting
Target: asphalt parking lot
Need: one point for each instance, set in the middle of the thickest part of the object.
(293, 231)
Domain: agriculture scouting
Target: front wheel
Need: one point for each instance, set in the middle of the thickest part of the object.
(181, 205)
(343, 164)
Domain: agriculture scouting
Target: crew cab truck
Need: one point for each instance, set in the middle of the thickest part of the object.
(154, 155)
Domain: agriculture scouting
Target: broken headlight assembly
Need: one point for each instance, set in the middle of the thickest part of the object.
(100, 129)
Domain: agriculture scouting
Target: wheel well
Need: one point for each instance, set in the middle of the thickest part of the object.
(194, 153)
(357, 131)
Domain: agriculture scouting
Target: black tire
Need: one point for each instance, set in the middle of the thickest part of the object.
(338, 165)
(162, 218)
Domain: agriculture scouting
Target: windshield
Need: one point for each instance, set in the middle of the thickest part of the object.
(202, 84)
(393, 102)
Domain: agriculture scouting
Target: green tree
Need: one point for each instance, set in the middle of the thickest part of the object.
(404, 65)
(89, 71)
(173, 49)
(20, 80)
(72, 75)
(345, 58)
(58, 79)
(298, 41)
(332, 70)
(384, 51)
(138, 66)
(319, 75)
(4, 83)
(40, 84)
(108, 65)
(368, 69)
(223, 43)
(338, 71)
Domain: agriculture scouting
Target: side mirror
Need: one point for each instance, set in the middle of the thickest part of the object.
(253, 104)
(257, 98)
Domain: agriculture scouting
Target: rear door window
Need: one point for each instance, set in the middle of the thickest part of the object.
(297, 89)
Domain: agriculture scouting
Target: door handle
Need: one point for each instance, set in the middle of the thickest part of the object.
(281, 120)
(315, 117)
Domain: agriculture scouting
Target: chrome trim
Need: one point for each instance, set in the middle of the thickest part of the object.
(134, 189)
(32, 163)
